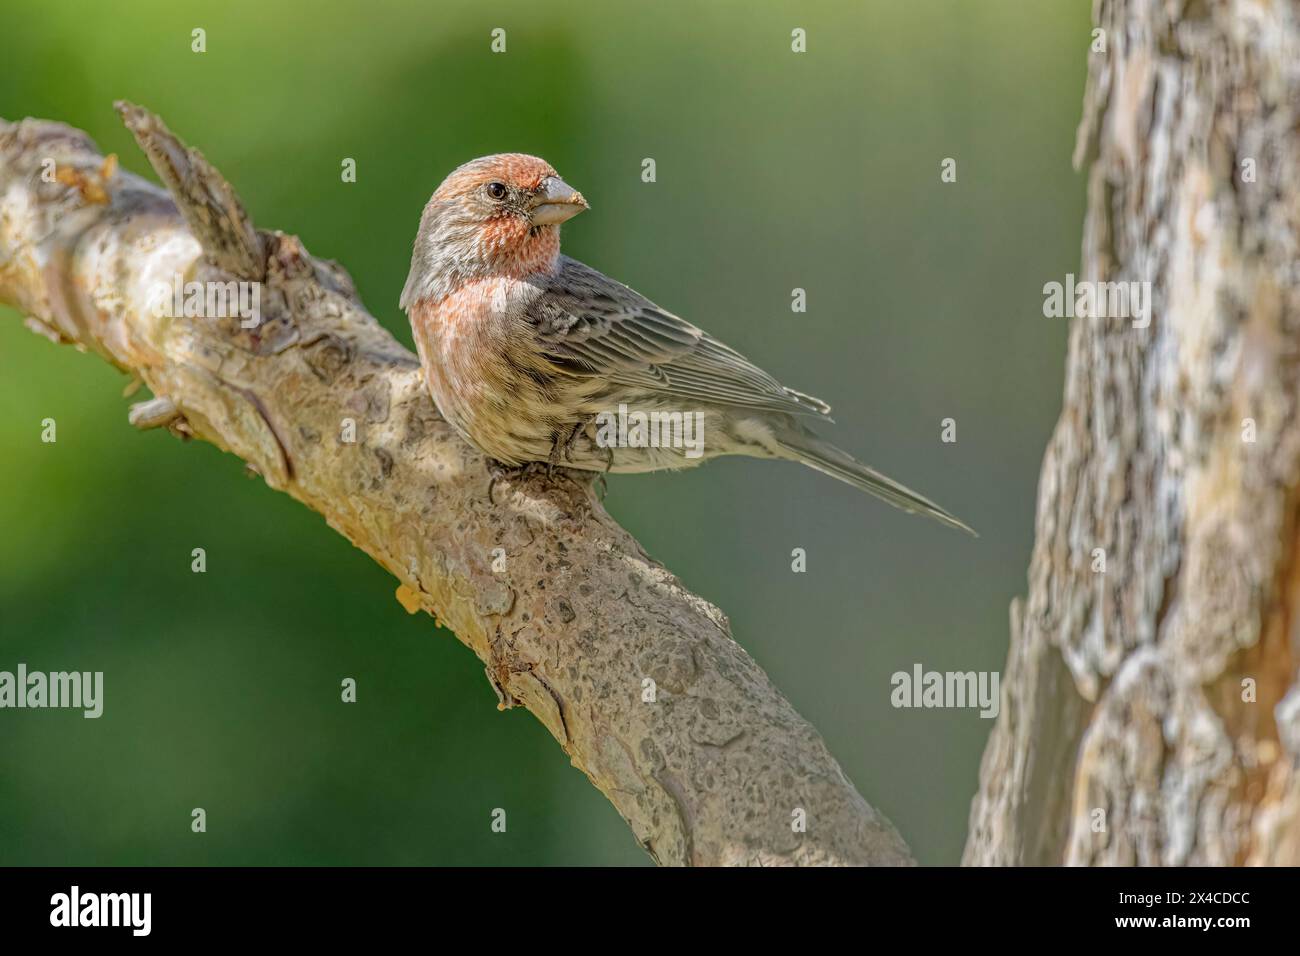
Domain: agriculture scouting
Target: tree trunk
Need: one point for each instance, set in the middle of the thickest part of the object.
(1151, 715)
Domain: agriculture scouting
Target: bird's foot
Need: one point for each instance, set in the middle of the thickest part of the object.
(572, 440)
(498, 471)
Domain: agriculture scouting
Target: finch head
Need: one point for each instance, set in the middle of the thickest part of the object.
(497, 215)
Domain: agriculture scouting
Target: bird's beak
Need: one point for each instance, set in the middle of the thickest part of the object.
(555, 201)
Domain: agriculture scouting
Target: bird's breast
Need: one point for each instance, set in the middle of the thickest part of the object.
(485, 372)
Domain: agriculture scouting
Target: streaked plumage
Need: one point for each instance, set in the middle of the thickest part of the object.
(524, 349)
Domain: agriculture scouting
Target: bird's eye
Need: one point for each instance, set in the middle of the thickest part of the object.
(496, 190)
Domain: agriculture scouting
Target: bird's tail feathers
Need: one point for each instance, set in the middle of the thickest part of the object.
(818, 453)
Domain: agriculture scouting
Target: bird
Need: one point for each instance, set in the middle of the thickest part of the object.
(534, 357)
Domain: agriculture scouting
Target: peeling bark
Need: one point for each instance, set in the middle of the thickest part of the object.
(1125, 704)
(709, 773)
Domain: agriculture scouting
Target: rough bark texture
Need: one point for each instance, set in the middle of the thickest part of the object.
(1124, 689)
(709, 773)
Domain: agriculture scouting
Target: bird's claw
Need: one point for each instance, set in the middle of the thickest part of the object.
(499, 471)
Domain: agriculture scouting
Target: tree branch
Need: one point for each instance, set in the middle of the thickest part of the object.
(570, 617)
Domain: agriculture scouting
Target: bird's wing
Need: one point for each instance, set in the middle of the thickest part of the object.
(589, 325)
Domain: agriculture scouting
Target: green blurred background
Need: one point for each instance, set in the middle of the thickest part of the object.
(775, 171)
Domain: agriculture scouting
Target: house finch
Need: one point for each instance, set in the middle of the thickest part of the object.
(535, 357)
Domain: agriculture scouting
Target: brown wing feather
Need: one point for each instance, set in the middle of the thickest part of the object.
(590, 325)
